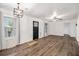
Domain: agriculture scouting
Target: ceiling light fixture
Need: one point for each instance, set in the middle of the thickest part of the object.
(18, 12)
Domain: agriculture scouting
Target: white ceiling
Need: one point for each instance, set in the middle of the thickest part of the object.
(46, 10)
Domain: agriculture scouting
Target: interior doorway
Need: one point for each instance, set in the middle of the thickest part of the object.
(45, 29)
(67, 28)
(35, 30)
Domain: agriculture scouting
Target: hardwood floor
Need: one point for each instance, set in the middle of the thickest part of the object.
(48, 46)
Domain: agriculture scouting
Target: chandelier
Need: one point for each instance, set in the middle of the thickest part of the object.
(18, 12)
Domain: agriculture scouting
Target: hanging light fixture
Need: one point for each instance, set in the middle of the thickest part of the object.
(17, 11)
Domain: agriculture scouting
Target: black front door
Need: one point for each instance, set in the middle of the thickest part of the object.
(35, 30)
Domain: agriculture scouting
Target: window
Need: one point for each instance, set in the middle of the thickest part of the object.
(9, 26)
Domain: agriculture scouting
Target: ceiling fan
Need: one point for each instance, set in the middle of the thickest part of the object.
(56, 17)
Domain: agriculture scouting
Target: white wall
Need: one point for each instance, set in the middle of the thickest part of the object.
(27, 28)
(58, 28)
(0, 32)
(72, 27)
(77, 37)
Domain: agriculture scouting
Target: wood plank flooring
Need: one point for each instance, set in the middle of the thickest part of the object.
(48, 46)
